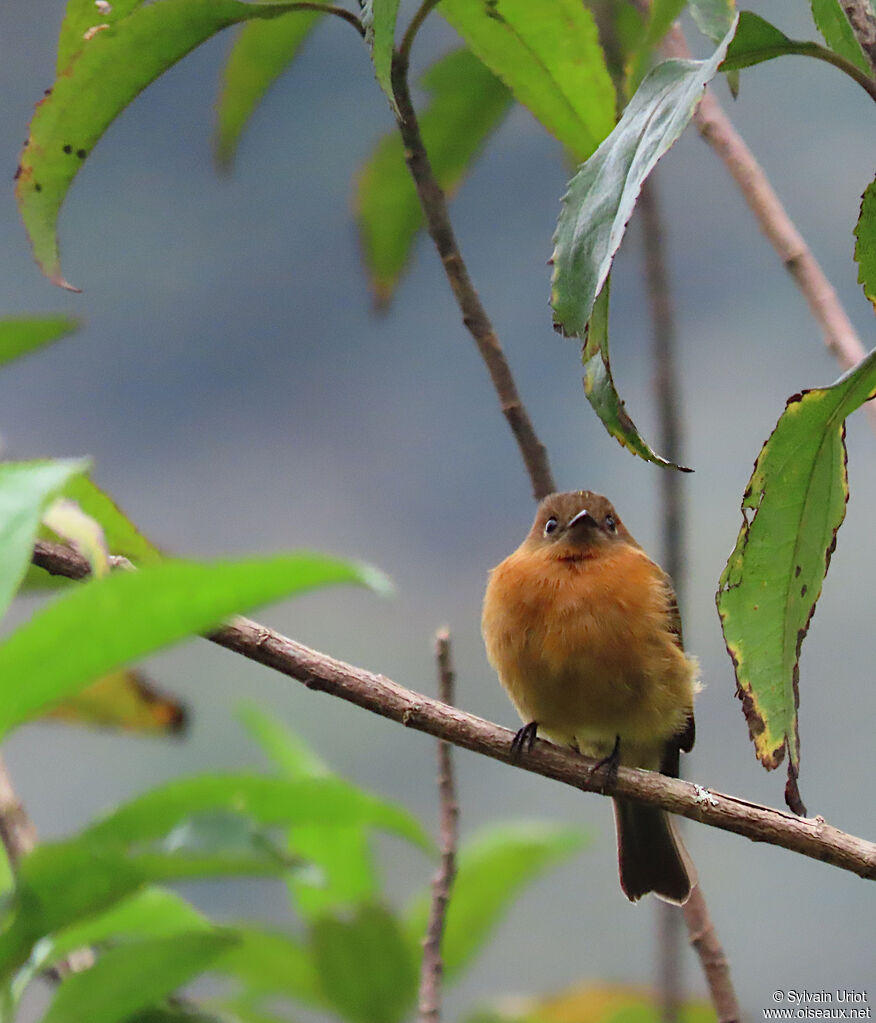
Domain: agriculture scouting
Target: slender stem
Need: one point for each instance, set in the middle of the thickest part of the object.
(474, 316)
(863, 22)
(714, 962)
(338, 12)
(867, 83)
(812, 837)
(717, 129)
(667, 399)
(432, 968)
(423, 12)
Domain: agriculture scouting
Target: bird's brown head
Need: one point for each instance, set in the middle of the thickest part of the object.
(577, 523)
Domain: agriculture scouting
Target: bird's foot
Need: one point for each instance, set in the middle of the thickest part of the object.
(524, 740)
(609, 765)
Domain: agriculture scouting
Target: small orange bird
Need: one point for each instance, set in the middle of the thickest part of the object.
(584, 632)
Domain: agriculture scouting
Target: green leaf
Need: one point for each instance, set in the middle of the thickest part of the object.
(792, 509)
(599, 386)
(467, 105)
(106, 623)
(81, 18)
(713, 17)
(26, 489)
(61, 884)
(493, 867)
(832, 23)
(379, 18)
(328, 802)
(261, 51)
(602, 195)
(663, 14)
(102, 78)
(550, 58)
(344, 871)
(273, 964)
(865, 242)
(26, 333)
(132, 977)
(365, 967)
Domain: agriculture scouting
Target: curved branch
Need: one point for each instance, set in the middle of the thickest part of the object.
(812, 837)
(474, 315)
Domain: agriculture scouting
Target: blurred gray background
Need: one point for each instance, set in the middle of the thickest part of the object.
(238, 394)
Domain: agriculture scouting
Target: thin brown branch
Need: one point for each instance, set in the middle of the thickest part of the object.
(863, 22)
(423, 11)
(432, 969)
(474, 315)
(812, 837)
(338, 12)
(714, 962)
(716, 128)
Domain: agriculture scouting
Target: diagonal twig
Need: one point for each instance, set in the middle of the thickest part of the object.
(432, 968)
(812, 837)
(474, 315)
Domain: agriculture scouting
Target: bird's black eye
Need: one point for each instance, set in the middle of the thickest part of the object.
(610, 523)
(550, 526)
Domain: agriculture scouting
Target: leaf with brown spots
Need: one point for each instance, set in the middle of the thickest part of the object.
(792, 509)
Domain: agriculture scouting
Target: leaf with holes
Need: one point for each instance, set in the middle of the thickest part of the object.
(792, 508)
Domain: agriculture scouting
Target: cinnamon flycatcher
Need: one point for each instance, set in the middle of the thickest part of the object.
(584, 632)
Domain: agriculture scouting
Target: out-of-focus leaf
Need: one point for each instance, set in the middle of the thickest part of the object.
(550, 58)
(865, 243)
(61, 884)
(365, 966)
(125, 700)
(492, 869)
(181, 1012)
(132, 977)
(261, 52)
(663, 13)
(27, 333)
(105, 623)
(113, 66)
(343, 869)
(68, 521)
(600, 388)
(832, 23)
(26, 489)
(602, 195)
(713, 17)
(269, 963)
(467, 105)
(268, 801)
(379, 17)
(792, 509)
(592, 1003)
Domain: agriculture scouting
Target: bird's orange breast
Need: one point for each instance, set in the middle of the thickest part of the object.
(583, 645)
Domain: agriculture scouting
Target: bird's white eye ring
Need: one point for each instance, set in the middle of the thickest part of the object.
(550, 526)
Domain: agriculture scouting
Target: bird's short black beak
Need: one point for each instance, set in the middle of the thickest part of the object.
(583, 517)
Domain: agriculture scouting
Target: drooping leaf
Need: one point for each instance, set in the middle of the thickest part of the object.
(260, 53)
(26, 489)
(366, 968)
(550, 58)
(865, 243)
(602, 195)
(792, 509)
(832, 23)
(327, 802)
(112, 67)
(492, 869)
(106, 623)
(132, 977)
(599, 386)
(125, 700)
(467, 104)
(27, 333)
(343, 866)
(379, 18)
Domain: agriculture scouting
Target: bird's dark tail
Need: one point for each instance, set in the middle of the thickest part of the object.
(651, 856)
